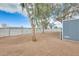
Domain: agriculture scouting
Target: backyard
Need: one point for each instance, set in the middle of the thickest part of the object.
(47, 44)
(33, 29)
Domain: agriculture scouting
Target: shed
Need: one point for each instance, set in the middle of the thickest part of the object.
(70, 30)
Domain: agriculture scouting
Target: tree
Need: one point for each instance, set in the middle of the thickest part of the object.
(30, 10)
(65, 11)
(42, 13)
(38, 14)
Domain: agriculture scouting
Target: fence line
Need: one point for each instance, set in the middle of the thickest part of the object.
(18, 31)
(14, 31)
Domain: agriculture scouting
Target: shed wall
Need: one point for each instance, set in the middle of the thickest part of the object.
(71, 29)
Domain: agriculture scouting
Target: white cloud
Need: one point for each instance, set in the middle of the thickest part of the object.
(8, 7)
(76, 17)
(58, 24)
(12, 8)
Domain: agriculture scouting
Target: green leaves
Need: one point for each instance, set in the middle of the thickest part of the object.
(42, 12)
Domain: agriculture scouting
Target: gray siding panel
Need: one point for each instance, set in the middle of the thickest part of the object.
(71, 29)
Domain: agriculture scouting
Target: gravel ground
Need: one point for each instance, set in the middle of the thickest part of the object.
(47, 44)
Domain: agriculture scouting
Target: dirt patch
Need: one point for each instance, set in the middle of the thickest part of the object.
(47, 44)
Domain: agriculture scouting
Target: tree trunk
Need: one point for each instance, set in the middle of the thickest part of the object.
(42, 26)
(33, 31)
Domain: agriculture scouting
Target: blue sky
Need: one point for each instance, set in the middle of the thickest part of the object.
(12, 15)
(14, 19)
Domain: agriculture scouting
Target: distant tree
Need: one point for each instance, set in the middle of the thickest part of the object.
(42, 13)
(4, 25)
